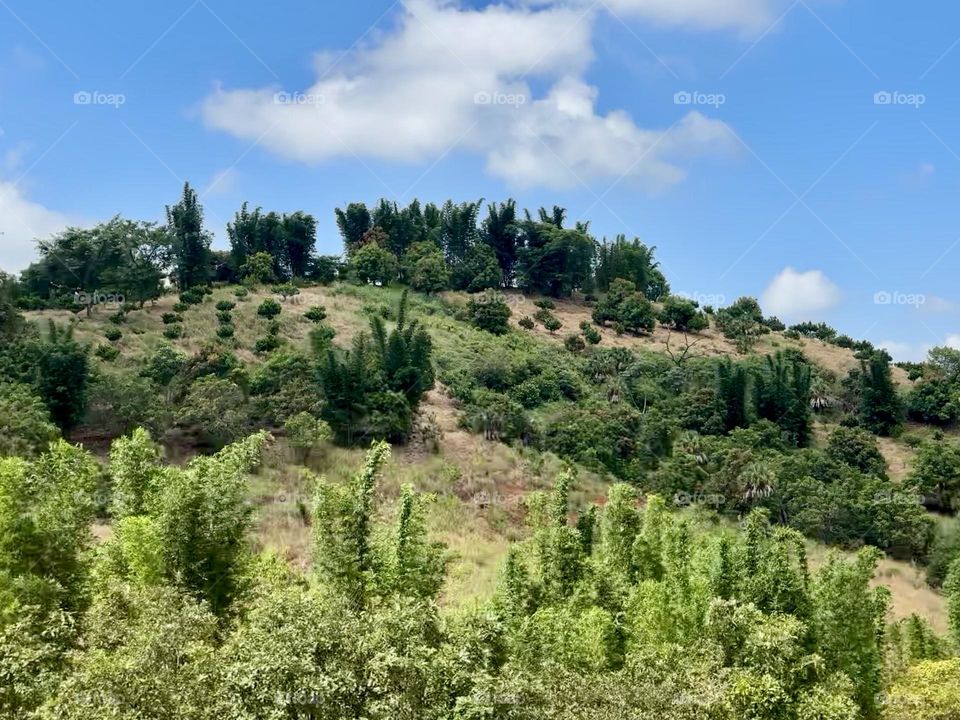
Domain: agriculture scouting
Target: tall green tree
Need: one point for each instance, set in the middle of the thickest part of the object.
(191, 242)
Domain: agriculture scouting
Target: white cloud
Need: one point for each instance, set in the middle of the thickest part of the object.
(800, 295)
(953, 341)
(750, 16)
(22, 222)
(450, 78)
(937, 304)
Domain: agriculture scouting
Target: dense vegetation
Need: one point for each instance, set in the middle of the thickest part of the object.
(686, 593)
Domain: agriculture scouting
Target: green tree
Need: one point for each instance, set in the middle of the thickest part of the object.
(375, 265)
(489, 312)
(191, 243)
(26, 428)
(879, 408)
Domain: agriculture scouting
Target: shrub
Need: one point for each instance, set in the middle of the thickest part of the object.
(113, 334)
(317, 314)
(273, 327)
(552, 324)
(108, 353)
(25, 425)
(574, 343)
(225, 332)
(171, 318)
(225, 306)
(285, 291)
(321, 338)
(590, 333)
(545, 304)
(269, 309)
(304, 432)
(682, 314)
(241, 293)
(224, 318)
(489, 312)
(215, 411)
(180, 307)
(266, 344)
(173, 332)
(527, 323)
(192, 297)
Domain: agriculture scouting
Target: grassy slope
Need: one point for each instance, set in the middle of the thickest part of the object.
(480, 486)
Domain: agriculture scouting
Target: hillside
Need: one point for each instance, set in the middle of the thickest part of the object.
(481, 486)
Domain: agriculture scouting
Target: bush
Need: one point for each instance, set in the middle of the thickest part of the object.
(241, 293)
(225, 332)
(225, 306)
(25, 425)
(317, 314)
(171, 318)
(273, 327)
(321, 338)
(180, 307)
(590, 333)
(269, 309)
(489, 312)
(224, 318)
(266, 344)
(552, 324)
(192, 297)
(173, 332)
(527, 323)
(215, 410)
(682, 314)
(287, 290)
(305, 432)
(107, 353)
(574, 343)
(113, 334)
(545, 304)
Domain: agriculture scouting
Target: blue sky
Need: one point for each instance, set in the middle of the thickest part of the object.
(744, 138)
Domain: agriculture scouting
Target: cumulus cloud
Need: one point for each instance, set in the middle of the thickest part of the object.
(22, 222)
(800, 295)
(455, 78)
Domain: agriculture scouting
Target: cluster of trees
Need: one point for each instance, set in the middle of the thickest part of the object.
(372, 390)
(603, 613)
(434, 248)
(132, 260)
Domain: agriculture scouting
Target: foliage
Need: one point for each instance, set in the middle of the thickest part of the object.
(191, 242)
(488, 311)
(25, 424)
(214, 410)
(269, 309)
